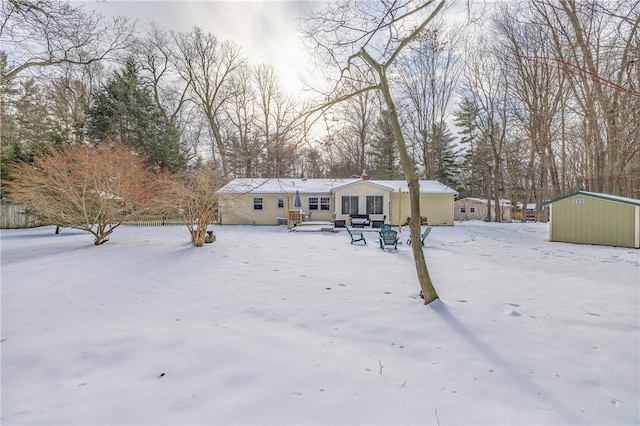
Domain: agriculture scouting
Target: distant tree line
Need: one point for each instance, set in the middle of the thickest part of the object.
(531, 100)
(528, 101)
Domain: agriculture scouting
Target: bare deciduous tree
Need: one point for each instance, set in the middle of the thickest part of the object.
(428, 76)
(209, 65)
(536, 93)
(353, 132)
(596, 45)
(71, 91)
(369, 37)
(487, 84)
(242, 139)
(92, 189)
(42, 33)
(275, 110)
(191, 195)
(156, 53)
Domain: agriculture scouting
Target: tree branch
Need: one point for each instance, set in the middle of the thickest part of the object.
(415, 32)
(570, 68)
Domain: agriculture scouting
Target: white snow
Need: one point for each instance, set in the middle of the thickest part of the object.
(323, 186)
(266, 326)
(282, 186)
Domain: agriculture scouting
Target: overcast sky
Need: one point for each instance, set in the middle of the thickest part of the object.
(265, 30)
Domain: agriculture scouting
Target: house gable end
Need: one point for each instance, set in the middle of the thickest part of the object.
(360, 183)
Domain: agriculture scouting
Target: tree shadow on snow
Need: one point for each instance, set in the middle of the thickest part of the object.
(32, 233)
(502, 364)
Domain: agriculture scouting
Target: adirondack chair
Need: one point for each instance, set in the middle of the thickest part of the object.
(389, 237)
(424, 235)
(385, 227)
(356, 236)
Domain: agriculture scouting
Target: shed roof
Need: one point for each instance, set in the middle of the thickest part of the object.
(322, 186)
(606, 197)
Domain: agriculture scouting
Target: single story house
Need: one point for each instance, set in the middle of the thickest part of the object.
(469, 208)
(594, 218)
(252, 201)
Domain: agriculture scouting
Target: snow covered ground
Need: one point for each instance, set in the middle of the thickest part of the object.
(266, 326)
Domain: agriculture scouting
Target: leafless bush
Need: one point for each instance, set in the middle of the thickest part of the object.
(192, 196)
(92, 189)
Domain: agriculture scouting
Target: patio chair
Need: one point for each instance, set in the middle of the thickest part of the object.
(424, 236)
(356, 236)
(389, 238)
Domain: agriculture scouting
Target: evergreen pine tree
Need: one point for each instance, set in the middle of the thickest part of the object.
(471, 175)
(384, 151)
(124, 111)
(447, 169)
(25, 124)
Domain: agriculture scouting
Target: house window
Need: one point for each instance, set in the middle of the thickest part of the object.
(462, 210)
(319, 203)
(313, 203)
(472, 209)
(280, 202)
(258, 203)
(350, 204)
(374, 204)
(325, 203)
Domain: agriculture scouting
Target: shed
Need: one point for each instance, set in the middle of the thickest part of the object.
(594, 218)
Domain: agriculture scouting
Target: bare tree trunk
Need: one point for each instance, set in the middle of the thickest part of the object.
(489, 192)
(192, 196)
(428, 290)
(208, 67)
(392, 50)
(198, 233)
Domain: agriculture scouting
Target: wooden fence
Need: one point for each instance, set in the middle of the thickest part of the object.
(158, 220)
(14, 216)
(153, 220)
